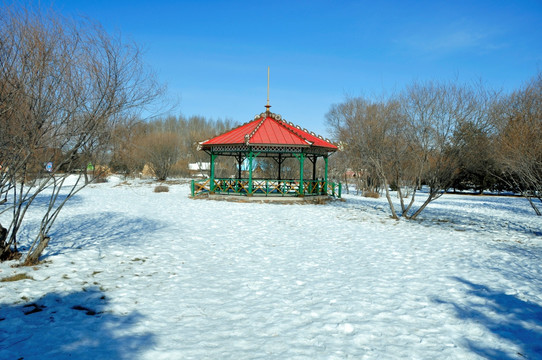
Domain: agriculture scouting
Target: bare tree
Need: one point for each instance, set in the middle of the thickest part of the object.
(519, 122)
(63, 85)
(372, 137)
(433, 111)
(161, 151)
(125, 154)
(476, 160)
(406, 141)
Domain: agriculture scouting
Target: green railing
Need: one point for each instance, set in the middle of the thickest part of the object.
(261, 187)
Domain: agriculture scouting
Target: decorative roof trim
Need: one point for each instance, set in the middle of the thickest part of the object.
(282, 123)
(248, 137)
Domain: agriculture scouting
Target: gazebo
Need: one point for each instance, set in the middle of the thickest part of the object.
(270, 136)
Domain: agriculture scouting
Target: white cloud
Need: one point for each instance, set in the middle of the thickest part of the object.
(459, 36)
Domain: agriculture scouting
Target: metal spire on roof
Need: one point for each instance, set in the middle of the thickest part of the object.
(267, 106)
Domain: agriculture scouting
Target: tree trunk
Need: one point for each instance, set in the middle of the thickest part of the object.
(400, 195)
(533, 205)
(33, 257)
(432, 196)
(390, 202)
(6, 252)
(4, 249)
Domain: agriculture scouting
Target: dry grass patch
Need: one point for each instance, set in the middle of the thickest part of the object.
(17, 277)
(161, 189)
(371, 194)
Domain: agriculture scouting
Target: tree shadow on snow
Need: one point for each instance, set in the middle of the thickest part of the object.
(42, 201)
(104, 229)
(481, 222)
(74, 326)
(511, 319)
(451, 212)
(510, 204)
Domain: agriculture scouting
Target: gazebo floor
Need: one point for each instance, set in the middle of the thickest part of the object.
(319, 199)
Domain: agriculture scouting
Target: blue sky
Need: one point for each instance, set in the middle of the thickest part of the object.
(214, 55)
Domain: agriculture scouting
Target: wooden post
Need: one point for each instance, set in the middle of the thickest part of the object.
(314, 159)
(239, 163)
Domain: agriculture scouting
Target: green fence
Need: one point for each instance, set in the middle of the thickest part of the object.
(262, 187)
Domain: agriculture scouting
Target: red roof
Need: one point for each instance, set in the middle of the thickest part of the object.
(269, 129)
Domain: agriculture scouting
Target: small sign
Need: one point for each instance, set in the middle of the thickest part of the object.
(49, 166)
(90, 167)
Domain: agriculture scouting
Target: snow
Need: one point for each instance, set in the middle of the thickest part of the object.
(133, 274)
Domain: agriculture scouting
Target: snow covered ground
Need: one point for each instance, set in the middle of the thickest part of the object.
(133, 274)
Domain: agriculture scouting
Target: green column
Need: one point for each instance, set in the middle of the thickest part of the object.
(301, 185)
(212, 174)
(325, 176)
(250, 157)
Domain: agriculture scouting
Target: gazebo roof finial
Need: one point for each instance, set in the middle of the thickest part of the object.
(267, 106)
